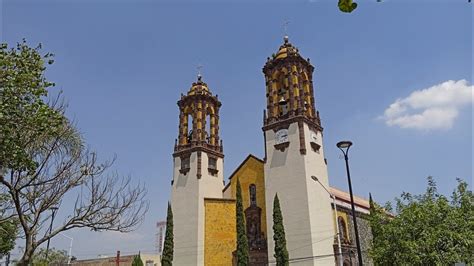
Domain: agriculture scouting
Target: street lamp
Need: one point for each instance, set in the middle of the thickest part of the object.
(335, 218)
(70, 247)
(53, 209)
(344, 147)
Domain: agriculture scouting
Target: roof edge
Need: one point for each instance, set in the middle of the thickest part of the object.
(240, 166)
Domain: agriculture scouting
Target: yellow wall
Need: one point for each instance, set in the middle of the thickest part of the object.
(220, 231)
(346, 221)
(251, 172)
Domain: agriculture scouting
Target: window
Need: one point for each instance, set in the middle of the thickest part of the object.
(212, 163)
(212, 166)
(253, 195)
(208, 129)
(342, 229)
(185, 164)
(189, 127)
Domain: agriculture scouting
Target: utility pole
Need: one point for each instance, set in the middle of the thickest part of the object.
(117, 260)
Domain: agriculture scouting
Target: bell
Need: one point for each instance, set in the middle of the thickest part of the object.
(282, 101)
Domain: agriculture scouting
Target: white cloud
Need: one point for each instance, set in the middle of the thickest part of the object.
(433, 108)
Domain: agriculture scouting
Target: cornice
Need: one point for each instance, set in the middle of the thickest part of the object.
(284, 123)
(188, 150)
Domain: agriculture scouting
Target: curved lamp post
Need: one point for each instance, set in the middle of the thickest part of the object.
(344, 147)
(70, 247)
(335, 219)
(53, 209)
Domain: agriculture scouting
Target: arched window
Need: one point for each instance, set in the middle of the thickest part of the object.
(208, 128)
(189, 128)
(253, 195)
(342, 228)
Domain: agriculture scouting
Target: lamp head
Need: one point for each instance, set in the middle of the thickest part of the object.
(314, 178)
(54, 209)
(345, 144)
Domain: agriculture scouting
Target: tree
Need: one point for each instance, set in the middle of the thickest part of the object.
(55, 257)
(347, 6)
(281, 252)
(8, 234)
(167, 257)
(427, 229)
(8, 230)
(43, 158)
(137, 261)
(242, 242)
(373, 211)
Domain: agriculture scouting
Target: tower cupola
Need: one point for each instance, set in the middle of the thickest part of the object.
(293, 154)
(198, 121)
(289, 87)
(198, 170)
(199, 87)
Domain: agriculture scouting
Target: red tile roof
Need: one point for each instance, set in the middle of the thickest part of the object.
(344, 196)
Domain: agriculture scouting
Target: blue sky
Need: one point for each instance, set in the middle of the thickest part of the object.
(122, 67)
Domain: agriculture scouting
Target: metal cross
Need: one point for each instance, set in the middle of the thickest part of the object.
(199, 67)
(285, 26)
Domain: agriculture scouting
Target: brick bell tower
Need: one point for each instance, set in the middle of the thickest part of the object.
(294, 153)
(198, 170)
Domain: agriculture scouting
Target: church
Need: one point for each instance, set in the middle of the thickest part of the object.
(317, 226)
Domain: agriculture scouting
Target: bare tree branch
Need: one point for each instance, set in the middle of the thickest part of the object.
(104, 201)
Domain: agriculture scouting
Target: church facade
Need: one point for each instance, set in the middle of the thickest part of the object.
(204, 205)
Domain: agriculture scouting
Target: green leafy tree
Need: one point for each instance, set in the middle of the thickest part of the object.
(8, 234)
(167, 257)
(281, 252)
(43, 158)
(374, 211)
(137, 260)
(347, 6)
(55, 257)
(8, 229)
(242, 242)
(427, 229)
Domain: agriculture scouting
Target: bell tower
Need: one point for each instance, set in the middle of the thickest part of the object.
(198, 170)
(294, 153)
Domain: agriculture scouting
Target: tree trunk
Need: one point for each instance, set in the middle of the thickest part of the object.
(27, 255)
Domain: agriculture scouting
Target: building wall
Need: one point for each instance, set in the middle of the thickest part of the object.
(153, 259)
(160, 236)
(365, 236)
(305, 205)
(220, 231)
(188, 193)
(344, 216)
(251, 172)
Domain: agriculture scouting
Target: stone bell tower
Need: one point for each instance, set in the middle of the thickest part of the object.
(198, 171)
(294, 153)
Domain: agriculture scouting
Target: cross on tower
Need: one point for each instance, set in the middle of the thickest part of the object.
(285, 27)
(199, 67)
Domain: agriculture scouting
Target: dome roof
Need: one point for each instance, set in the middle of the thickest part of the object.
(286, 49)
(199, 87)
(286, 52)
